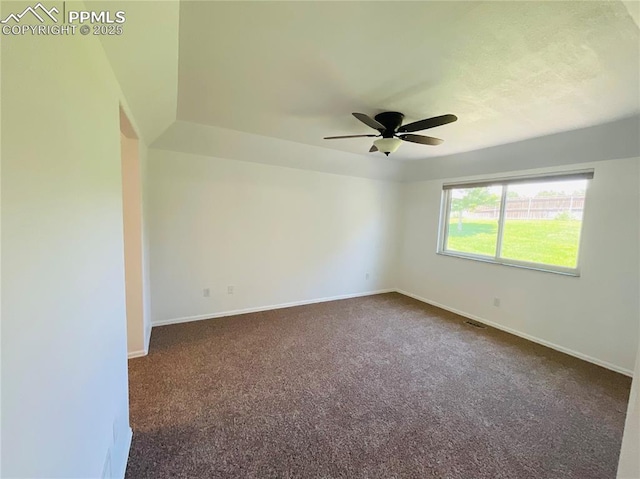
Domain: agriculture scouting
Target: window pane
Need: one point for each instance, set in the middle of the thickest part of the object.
(473, 220)
(543, 222)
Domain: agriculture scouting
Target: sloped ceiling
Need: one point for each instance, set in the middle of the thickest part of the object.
(296, 70)
(228, 144)
(508, 70)
(145, 60)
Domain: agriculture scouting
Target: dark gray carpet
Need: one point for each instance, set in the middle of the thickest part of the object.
(376, 387)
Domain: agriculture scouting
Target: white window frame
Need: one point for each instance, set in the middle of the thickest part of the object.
(445, 209)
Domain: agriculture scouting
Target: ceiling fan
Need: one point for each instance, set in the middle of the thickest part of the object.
(389, 124)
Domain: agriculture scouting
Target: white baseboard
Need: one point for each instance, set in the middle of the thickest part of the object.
(562, 349)
(120, 468)
(138, 354)
(142, 352)
(235, 312)
(571, 352)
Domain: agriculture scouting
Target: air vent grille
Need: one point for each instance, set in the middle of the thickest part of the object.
(475, 324)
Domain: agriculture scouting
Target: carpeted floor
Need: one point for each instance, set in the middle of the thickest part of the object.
(375, 387)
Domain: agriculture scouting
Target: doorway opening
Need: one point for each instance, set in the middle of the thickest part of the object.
(134, 260)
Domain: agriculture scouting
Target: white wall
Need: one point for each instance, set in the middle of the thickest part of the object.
(277, 234)
(143, 153)
(135, 203)
(133, 245)
(64, 367)
(629, 465)
(595, 315)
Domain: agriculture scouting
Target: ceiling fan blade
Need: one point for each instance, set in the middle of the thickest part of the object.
(373, 148)
(427, 123)
(349, 136)
(423, 140)
(367, 120)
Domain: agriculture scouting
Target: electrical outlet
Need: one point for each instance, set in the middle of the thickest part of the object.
(496, 302)
(366, 276)
(230, 289)
(206, 292)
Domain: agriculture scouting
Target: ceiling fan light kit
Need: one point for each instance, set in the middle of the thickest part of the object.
(390, 128)
(387, 145)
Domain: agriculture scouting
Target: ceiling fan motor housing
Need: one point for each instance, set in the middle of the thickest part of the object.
(391, 121)
(389, 126)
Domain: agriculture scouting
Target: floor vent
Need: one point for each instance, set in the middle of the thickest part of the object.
(475, 324)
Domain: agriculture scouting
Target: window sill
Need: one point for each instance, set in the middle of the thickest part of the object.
(535, 267)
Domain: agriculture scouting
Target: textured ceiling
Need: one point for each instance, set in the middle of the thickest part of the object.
(508, 70)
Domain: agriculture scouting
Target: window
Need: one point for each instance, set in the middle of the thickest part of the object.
(532, 222)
